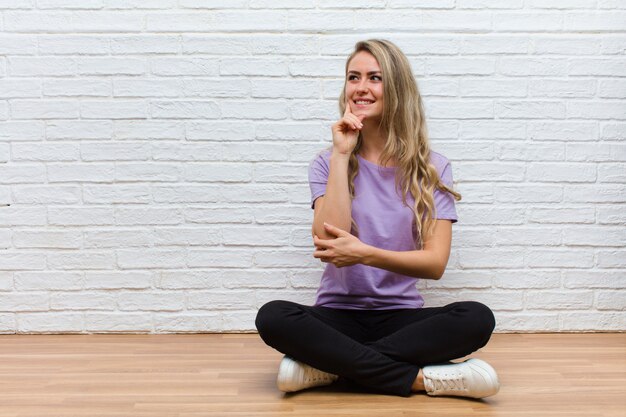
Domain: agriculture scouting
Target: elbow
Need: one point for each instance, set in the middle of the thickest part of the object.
(437, 271)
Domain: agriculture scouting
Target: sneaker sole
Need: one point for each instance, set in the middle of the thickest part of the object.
(285, 371)
(488, 373)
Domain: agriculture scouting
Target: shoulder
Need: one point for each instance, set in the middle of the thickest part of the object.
(439, 161)
(320, 164)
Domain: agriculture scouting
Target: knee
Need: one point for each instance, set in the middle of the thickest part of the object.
(481, 318)
(268, 319)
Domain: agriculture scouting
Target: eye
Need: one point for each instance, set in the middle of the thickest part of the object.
(377, 78)
(352, 77)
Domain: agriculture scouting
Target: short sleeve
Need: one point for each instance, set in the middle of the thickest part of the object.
(318, 175)
(444, 201)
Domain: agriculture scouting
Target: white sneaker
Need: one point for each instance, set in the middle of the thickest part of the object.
(295, 376)
(472, 378)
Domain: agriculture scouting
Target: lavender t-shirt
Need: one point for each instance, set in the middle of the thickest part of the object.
(384, 222)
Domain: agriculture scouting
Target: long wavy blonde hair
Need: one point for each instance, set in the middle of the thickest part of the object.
(403, 121)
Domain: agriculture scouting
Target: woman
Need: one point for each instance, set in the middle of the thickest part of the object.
(383, 212)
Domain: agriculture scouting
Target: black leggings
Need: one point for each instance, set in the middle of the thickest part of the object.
(379, 349)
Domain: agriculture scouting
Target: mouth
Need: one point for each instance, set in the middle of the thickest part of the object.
(363, 102)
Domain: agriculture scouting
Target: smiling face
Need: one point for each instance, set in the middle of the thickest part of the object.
(364, 86)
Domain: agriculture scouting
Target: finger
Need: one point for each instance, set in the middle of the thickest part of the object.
(320, 243)
(348, 110)
(334, 230)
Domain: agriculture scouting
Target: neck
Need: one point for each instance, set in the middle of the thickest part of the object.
(373, 141)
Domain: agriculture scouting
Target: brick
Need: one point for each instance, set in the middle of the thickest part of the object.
(563, 131)
(21, 131)
(256, 235)
(80, 216)
(266, 109)
(44, 109)
(219, 258)
(41, 66)
(611, 300)
(280, 173)
(540, 321)
(112, 66)
(292, 131)
(526, 236)
(53, 322)
(75, 21)
(127, 151)
(214, 215)
(492, 88)
(562, 88)
(113, 109)
(189, 323)
(244, 44)
(597, 193)
(151, 258)
(77, 87)
(115, 280)
(82, 301)
(118, 322)
(47, 239)
(44, 152)
(570, 45)
(81, 260)
(611, 214)
(183, 236)
(221, 300)
(493, 258)
(190, 279)
(561, 172)
(147, 216)
(184, 66)
(612, 173)
(494, 129)
(588, 279)
(465, 109)
(145, 44)
(217, 87)
(492, 171)
(148, 129)
(22, 173)
(612, 89)
(146, 301)
(594, 22)
(285, 88)
(611, 258)
(285, 259)
(527, 21)
(73, 44)
(540, 279)
(317, 67)
(220, 130)
(187, 152)
(460, 66)
(19, 89)
(275, 66)
(212, 172)
(152, 172)
(530, 109)
(592, 321)
(561, 215)
(146, 87)
(188, 109)
(46, 280)
(90, 172)
(117, 238)
(559, 258)
(516, 151)
(18, 302)
(596, 110)
(78, 129)
(22, 216)
(116, 194)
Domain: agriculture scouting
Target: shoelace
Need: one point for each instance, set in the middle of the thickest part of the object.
(314, 375)
(449, 383)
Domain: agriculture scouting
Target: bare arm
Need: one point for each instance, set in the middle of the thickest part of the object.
(429, 262)
(335, 207)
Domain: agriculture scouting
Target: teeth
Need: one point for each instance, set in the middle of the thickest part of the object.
(362, 102)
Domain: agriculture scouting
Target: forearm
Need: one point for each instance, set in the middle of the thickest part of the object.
(416, 263)
(337, 205)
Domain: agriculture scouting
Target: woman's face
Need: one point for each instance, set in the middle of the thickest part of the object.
(364, 86)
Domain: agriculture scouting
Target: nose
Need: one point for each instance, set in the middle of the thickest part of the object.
(362, 86)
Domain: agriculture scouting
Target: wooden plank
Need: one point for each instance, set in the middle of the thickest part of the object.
(543, 375)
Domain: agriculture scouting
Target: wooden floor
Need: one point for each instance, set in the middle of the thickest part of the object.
(545, 375)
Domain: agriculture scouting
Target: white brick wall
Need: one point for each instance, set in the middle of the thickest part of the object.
(153, 156)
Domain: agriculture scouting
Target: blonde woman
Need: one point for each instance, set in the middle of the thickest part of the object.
(383, 212)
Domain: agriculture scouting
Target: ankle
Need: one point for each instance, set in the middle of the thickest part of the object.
(418, 384)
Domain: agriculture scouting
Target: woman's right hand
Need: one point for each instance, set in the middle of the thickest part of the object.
(346, 131)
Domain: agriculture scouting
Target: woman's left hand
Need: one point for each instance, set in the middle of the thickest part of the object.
(344, 250)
